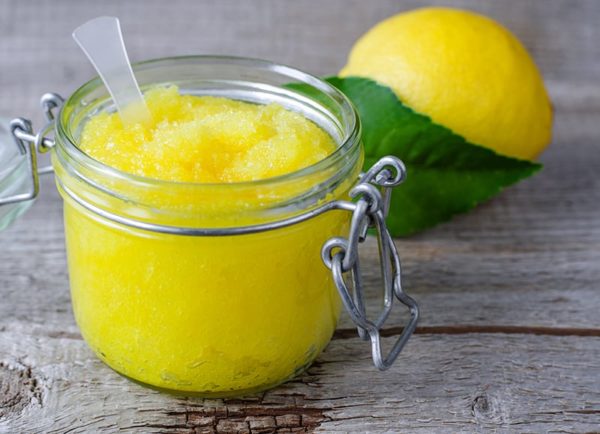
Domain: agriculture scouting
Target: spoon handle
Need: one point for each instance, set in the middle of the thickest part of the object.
(102, 42)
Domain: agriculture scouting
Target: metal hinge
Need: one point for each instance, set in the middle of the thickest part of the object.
(373, 194)
(30, 144)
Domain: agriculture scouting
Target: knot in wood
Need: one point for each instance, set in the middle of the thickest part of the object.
(486, 409)
(481, 405)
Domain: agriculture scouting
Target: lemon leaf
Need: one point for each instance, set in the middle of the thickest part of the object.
(447, 175)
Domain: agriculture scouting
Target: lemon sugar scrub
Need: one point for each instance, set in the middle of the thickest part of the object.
(206, 139)
(204, 314)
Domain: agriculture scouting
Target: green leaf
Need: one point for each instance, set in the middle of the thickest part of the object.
(446, 174)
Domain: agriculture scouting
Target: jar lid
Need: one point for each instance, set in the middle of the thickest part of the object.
(14, 175)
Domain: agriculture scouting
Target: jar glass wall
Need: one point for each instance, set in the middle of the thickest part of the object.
(170, 287)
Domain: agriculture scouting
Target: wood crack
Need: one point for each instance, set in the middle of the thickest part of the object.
(488, 329)
(581, 411)
(239, 418)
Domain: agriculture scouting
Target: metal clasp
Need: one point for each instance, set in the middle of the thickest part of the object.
(372, 199)
(31, 144)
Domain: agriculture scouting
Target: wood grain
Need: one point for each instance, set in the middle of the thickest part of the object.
(510, 334)
(462, 383)
(38, 54)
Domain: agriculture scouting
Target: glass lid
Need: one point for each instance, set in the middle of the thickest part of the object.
(14, 175)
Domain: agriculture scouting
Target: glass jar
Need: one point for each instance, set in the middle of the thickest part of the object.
(220, 289)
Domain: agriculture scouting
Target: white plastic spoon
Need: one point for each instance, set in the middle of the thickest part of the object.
(102, 42)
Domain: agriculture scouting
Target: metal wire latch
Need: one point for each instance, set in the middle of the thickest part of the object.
(31, 144)
(340, 255)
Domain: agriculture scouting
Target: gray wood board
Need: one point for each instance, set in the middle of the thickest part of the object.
(462, 383)
(37, 54)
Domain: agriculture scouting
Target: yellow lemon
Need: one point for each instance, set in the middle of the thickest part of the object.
(463, 70)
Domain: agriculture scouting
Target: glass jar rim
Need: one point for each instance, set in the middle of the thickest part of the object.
(351, 136)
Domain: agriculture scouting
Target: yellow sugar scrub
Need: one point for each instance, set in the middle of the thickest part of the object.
(207, 140)
(168, 305)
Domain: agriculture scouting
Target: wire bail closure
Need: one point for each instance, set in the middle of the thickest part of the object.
(30, 144)
(340, 255)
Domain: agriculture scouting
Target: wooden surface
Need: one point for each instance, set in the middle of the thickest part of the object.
(510, 334)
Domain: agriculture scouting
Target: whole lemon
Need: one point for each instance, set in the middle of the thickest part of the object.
(463, 70)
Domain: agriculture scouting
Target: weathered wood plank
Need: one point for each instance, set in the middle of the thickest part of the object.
(38, 57)
(463, 383)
